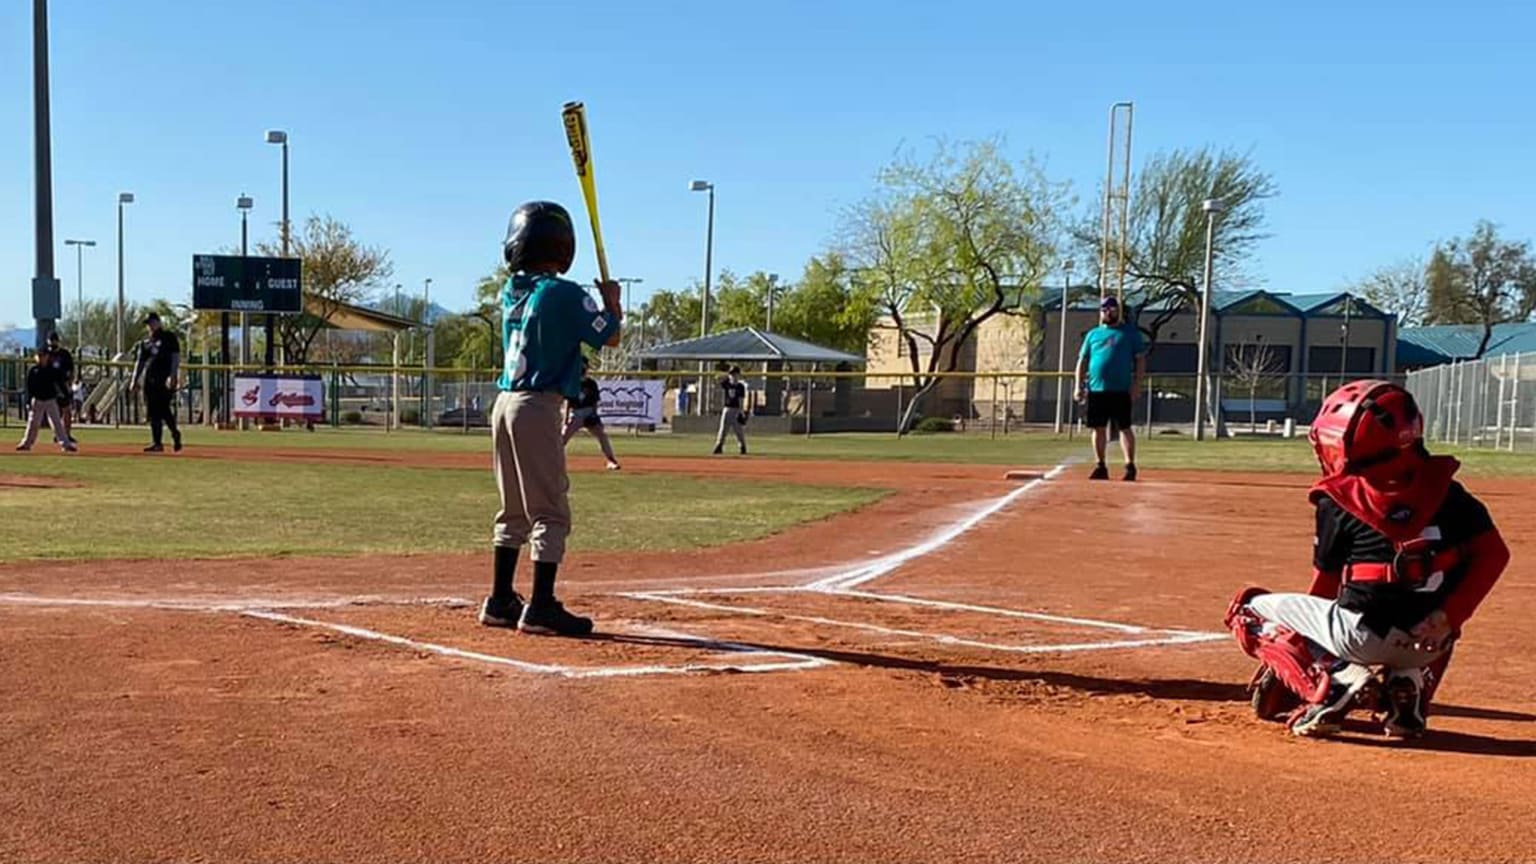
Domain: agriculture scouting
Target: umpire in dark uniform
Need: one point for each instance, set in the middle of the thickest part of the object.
(158, 365)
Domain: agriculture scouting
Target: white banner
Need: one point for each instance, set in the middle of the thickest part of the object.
(629, 403)
(300, 398)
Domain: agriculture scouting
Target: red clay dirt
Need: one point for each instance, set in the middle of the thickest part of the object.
(139, 733)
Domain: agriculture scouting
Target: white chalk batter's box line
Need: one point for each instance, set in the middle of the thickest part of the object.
(268, 610)
(1132, 636)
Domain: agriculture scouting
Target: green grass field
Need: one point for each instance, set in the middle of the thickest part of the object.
(129, 507)
(1030, 448)
(168, 508)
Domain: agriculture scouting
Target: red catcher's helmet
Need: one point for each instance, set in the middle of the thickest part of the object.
(1365, 423)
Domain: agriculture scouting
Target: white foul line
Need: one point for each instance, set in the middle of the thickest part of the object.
(882, 566)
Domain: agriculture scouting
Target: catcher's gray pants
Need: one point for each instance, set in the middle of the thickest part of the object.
(730, 421)
(44, 409)
(529, 460)
(578, 420)
(1341, 632)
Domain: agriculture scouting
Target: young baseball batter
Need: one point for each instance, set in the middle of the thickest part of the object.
(1403, 556)
(544, 322)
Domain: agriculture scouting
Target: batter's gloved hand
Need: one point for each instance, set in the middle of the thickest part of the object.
(742, 418)
(612, 293)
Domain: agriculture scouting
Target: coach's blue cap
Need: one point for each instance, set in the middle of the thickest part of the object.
(1109, 303)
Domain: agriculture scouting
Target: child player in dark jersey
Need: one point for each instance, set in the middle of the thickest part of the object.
(1403, 556)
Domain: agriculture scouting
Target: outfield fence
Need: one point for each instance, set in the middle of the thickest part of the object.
(1488, 403)
(802, 402)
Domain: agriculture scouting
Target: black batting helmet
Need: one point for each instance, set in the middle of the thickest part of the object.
(539, 234)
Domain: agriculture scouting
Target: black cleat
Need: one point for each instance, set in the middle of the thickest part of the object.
(154, 448)
(743, 449)
(176, 444)
(1130, 474)
(719, 450)
(1099, 473)
(550, 618)
(501, 613)
(1405, 713)
(1324, 718)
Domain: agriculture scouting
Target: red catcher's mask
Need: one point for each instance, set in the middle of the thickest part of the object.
(1368, 428)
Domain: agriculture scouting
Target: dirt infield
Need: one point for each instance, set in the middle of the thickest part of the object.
(971, 669)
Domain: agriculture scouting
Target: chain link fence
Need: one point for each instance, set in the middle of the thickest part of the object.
(1488, 403)
(808, 401)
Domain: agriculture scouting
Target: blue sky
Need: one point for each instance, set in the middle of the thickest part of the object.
(1387, 126)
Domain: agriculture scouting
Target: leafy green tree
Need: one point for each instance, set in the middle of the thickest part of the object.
(948, 242)
(1401, 288)
(338, 270)
(825, 307)
(1483, 280)
(1165, 238)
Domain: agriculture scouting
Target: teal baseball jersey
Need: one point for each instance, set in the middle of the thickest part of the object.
(1112, 353)
(544, 322)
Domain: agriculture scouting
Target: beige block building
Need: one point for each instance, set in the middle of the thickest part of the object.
(1290, 348)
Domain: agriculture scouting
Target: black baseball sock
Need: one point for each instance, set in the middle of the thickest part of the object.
(504, 566)
(544, 581)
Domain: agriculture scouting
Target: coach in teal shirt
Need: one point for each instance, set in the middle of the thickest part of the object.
(1110, 367)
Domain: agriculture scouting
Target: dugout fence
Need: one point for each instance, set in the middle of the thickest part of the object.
(1488, 403)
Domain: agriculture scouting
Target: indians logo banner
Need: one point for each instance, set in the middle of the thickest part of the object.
(298, 397)
(629, 403)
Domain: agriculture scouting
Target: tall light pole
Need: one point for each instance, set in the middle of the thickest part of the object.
(79, 288)
(428, 359)
(1212, 208)
(709, 250)
(709, 265)
(244, 205)
(279, 137)
(773, 289)
(46, 303)
(628, 282)
(1344, 343)
(1061, 352)
(123, 199)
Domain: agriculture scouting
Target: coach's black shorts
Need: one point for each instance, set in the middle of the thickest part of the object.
(1109, 408)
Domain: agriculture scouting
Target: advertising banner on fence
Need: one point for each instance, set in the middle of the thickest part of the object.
(629, 403)
(301, 397)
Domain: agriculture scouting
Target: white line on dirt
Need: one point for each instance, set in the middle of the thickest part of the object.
(1166, 637)
(192, 604)
(880, 567)
(798, 663)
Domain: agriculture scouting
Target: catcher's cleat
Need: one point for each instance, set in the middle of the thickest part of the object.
(1323, 718)
(550, 618)
(1270, 698)
(1403, 700)
(501, 613)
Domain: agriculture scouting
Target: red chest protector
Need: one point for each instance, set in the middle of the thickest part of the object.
(1400, 512)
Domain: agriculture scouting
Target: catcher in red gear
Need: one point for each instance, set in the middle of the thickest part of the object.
(1403, 556)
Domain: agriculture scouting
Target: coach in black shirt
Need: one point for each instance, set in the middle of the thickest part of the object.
(158, 365)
